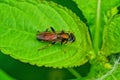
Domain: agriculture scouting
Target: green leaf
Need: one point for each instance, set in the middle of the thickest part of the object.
(94, 11)
(89, 8)
(111, 36)
(19, 22)
(4, 76)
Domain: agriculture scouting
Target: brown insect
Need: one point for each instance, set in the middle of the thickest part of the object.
(53, 37)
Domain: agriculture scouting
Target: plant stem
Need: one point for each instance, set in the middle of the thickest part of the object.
(74, 72)
(97, 27)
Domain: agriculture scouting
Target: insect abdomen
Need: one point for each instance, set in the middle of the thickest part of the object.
(46, 36)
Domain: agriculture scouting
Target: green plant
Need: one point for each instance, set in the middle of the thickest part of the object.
(96, 30)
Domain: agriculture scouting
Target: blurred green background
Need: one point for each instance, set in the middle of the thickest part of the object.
(25, 71)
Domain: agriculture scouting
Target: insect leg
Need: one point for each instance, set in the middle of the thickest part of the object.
(62, 49)
(38, 31)
(53, 42)
(63, 40)
(62, 31)
(46, 30)
(46, 46)
(52, 29)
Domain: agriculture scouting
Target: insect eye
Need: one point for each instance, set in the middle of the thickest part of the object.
(71, 37)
